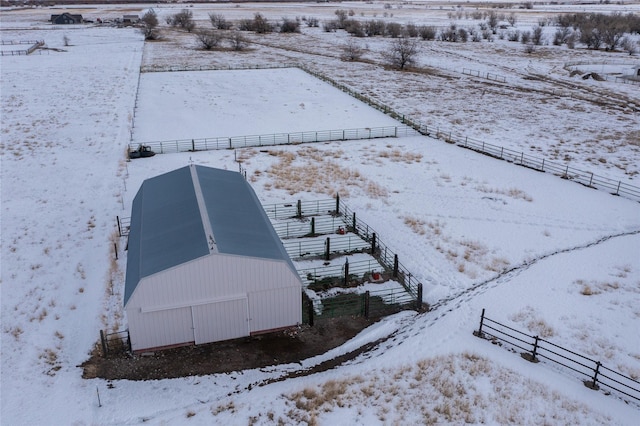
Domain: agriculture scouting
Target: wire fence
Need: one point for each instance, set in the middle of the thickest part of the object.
(595, 375)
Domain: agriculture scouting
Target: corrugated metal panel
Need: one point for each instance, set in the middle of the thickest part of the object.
(220, 321)
(161, 328)
(166, 227)
(274, 309)
(240, 225)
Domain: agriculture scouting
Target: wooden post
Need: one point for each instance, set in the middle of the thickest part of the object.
(98, 392)
(395, 266)
(353, 225)
(618, 189)
(313, 226)
(327, 249)
(103, 340)
(535, 349)
(299, 208)
(373, 244)
(366, 304)
(481, 322)
(193, 145)
(419, 298)
(120, 229)
(115, 250)
(346, 272)
(337, 204)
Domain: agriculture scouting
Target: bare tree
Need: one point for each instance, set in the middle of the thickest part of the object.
(149, 22)
(219, 22)
(342, 17)
(208, 39)
(428, 33)
(511, 19)
(183, 19)
(402, 52)
(352, 50)
(261, 25)
(492, 20)
(238, 41)
(536, 35)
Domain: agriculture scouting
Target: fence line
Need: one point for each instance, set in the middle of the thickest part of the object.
(410, 128)
(486, 75)
(217, 143)
(35, 45)
(536, 348)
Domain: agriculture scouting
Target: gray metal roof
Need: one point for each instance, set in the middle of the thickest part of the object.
(167, 222)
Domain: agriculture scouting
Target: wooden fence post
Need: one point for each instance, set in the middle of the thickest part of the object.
(395, 266)
(373, 244)
(313, 226)
(594, 382)
(535, 350)
(115, 250)
(355, 229)
(337, 204)
(327, 249)
(346, 272)
(479, 332)
(299, 209)
(419, 298)
(103, 340)
(120, 229)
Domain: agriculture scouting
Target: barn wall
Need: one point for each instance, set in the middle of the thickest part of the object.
(273, 290)
(160, 328)
(274, 309)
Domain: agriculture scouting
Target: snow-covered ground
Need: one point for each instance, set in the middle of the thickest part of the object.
(458, 221)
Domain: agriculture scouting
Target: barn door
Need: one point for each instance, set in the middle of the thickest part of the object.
(220, 321)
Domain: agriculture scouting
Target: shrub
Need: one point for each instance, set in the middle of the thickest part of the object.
(290, 26)
(219, 22)
(428, 33)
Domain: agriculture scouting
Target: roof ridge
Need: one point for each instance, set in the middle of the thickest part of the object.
(206, 222)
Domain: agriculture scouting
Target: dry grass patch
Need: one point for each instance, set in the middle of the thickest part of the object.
(439, 390)
(531, 320)
(514, 193)
(312, 170)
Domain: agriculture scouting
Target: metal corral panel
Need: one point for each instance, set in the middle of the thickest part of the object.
(264, 316)
(161, 328)
(220, 321)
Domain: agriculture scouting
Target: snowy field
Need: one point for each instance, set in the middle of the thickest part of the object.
(541, 254)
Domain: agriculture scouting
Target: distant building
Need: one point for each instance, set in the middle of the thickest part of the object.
(66, 19)
(204, 263)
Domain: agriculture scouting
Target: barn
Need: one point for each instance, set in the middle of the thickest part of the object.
(204, 263)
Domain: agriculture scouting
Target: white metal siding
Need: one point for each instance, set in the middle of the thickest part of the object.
(273, 288)
(220, 321)
(276, 308)
(161, 328)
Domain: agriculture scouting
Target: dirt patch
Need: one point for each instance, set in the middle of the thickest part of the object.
(292, 345)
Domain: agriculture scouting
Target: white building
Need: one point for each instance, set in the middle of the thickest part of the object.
(204, 262)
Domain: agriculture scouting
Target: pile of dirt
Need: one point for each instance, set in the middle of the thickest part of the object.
(292, 345)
